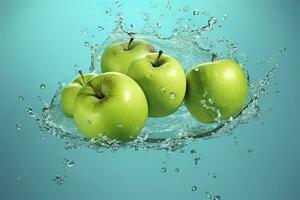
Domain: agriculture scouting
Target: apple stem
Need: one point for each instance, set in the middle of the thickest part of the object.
(81, 74)
(130, 41)
(214, 57)
(158, 57)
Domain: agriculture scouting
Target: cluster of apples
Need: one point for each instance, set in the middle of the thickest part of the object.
(137, 82)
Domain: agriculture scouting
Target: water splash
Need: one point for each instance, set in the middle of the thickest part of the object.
(179, 129)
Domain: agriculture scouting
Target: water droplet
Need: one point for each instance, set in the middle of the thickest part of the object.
(88, 122)
(39, 98)
(283, 50)
(84, 31)
(19, 178)
(58, 179)
(21, 98)
(196, 69)
(163, 170)
(194, 188)
(87, 44)
(154, 5)
(163, 90)
(164, 163)
(208, 195)
(18, 126)
(45, 109)
(42, 86)
(172, 95)
(217, 197)
(196, 160)
(68, 163)
(100, 28)
(176, 170)
(108, 11)
(101, 134)
(76, 68)
(60, 85)
(214, 175)
(168, 5)
(158, 25)
(193, 151)
(120, 125)
(118, 3)
(195, 12)
(185, 8)
(145, 16)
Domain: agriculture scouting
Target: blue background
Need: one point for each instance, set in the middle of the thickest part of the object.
(40, 43)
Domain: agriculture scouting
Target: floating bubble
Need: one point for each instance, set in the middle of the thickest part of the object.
(163, 169)
(249, 150)
(176, 170)
(120, 125)
(217, 197)
(193, 151)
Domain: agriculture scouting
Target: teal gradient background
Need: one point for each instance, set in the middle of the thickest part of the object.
(41, 41)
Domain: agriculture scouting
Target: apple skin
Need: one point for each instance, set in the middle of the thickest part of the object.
(117, 58)
(111, 104)
(164, 85)
(214, 87)
(69, 93)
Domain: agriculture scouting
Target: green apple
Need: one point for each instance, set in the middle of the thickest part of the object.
(70, 91)
(119, 56)
(113, 105)
(163, 81)
(216, 90)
